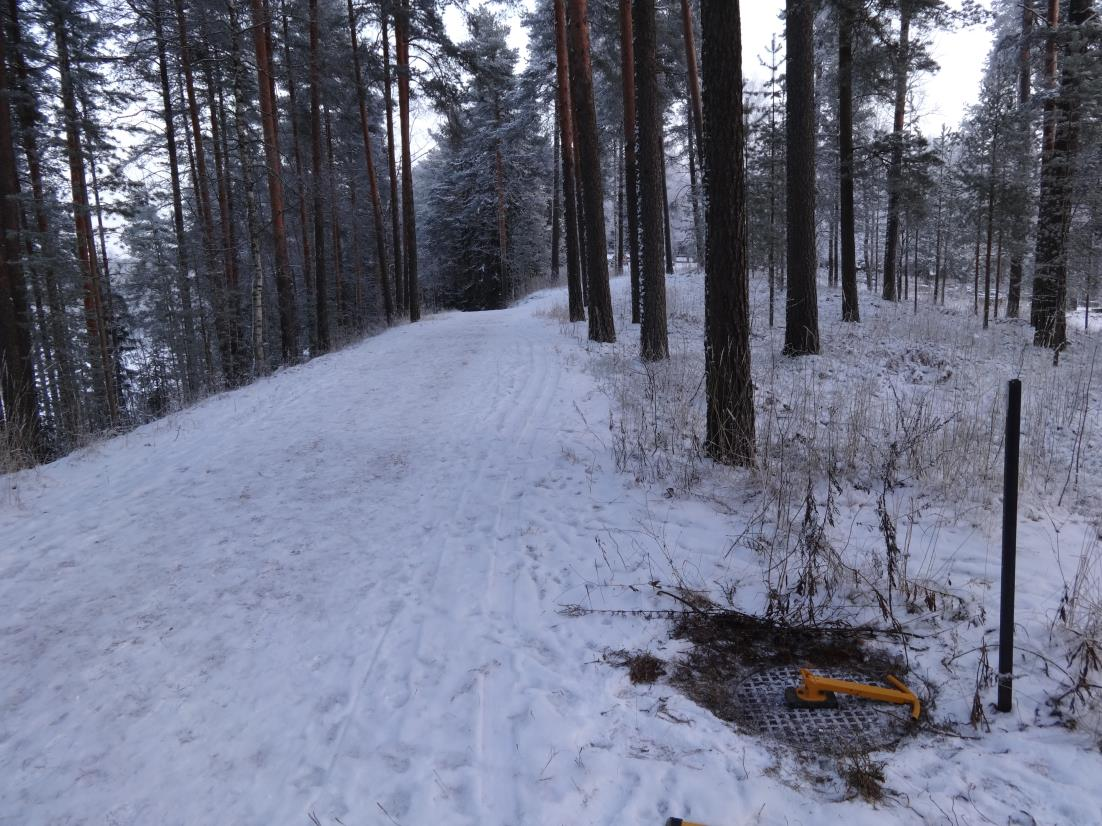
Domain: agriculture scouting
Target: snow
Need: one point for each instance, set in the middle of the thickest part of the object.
(337, 594)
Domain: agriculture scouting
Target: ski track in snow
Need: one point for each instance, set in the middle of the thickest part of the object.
(322, 593)
(335, 593)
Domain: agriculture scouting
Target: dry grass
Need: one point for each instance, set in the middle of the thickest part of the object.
(902, 417)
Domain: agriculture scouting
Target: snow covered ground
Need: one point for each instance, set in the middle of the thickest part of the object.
(335, 596)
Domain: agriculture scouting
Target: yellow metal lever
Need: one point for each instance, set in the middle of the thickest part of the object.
(814, 690)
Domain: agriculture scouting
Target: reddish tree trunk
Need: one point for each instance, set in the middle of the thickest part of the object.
(569, 166)
(409, 219)
(372, 178)
(395, 228)
(269, 121)
(601, 324)
(94, 313)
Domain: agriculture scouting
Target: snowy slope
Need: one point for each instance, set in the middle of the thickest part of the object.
(336, 594)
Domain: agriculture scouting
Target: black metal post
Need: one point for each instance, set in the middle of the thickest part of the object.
(1010, 545)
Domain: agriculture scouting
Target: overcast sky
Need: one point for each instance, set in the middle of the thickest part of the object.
(942, 98)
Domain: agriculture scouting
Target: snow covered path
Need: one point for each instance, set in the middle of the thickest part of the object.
(335, 594)
(296, 595)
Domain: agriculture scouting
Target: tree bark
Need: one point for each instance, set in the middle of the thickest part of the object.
(667, 234)
(654, 338)
(334, 225)
(22, 423)
(556, 221)
(284, 287)
(409, 220)
(1049, 314)
(1021, 224)
(206, 212)
(601, 325)
(252, 221)
(694, 77)
(895, 168)
(850, 309)
(569, 165)
(94, 314)
(631, 167)
(300, 175)
(801, 332)
(729, 388)
(372, 177)
(317, 177)
(238, 373)
(694, 188)
(395, 228)
(28, 116)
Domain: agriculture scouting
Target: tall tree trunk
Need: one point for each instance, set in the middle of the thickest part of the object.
(990, 233)
(1049, 311)
(583, 257)
(667, 231)
(22, 424)
(801, 329)
(94, 312)
(556, 221)
(395, 228)
(1051, 65)
(206, 212)
(334, 224)
(300, 175)
(654, 338)
(372, 177)
(237, 372)
(107, 292)
(631, 167)
(694, 189)
(619, 209)
(976, 275)
(409, 220)
(850, 308)
(288, 325)
(505, 287)
(1021, 223)
(571, 199)
(998, 275)
(895, 167)
(601, 324)
(28, 116)
(317, 178)
(252, 221)
(772, 181)
(694, 78)
(729, 387)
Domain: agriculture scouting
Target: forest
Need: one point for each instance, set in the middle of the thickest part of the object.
(550, 411)
(198, 193)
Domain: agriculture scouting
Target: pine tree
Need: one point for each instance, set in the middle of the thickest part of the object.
(801, 333)
(1050, 276)
(729, 387)
(848, 231)
(21, 420)
(655, 345)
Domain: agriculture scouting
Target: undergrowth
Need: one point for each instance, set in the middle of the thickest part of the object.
(902, 417)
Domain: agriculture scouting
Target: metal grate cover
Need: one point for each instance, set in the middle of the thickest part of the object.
(758, 702)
